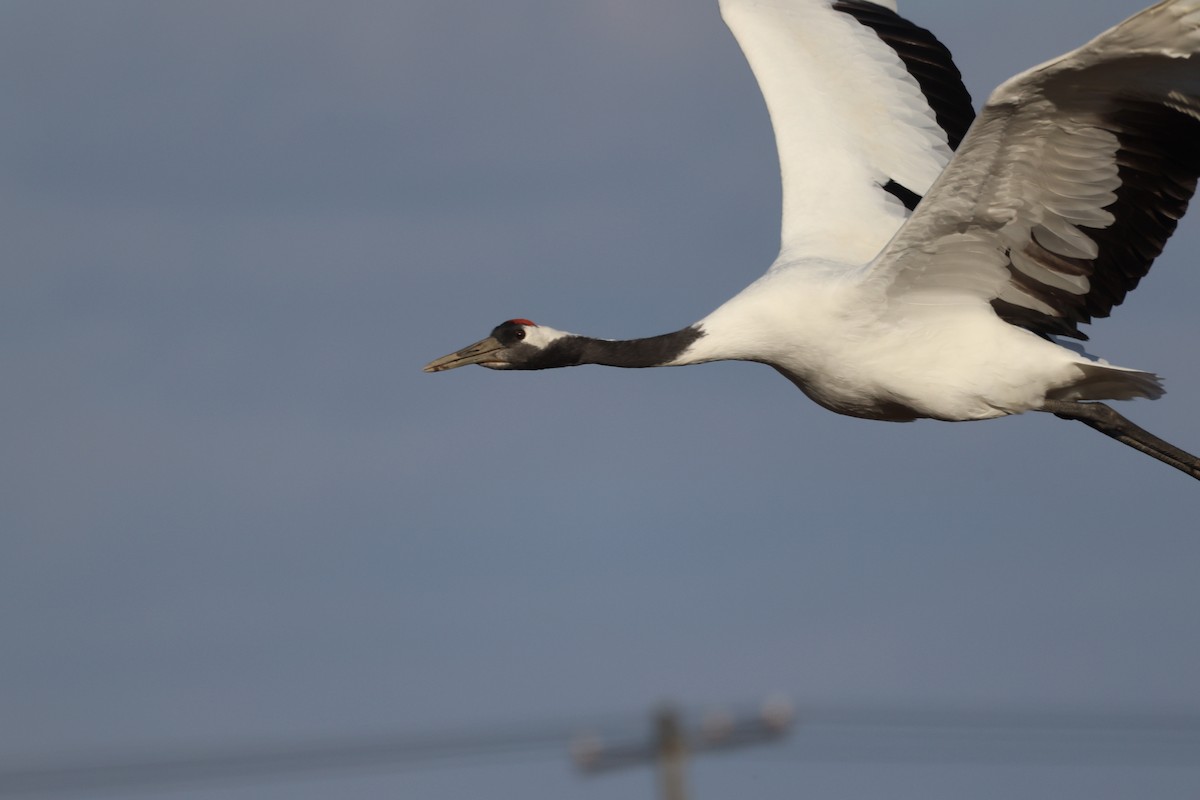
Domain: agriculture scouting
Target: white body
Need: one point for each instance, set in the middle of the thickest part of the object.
(867, 357)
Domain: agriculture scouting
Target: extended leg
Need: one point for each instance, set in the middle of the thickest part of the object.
(1110, 423)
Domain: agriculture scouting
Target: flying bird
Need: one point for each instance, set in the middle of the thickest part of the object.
(932, 261)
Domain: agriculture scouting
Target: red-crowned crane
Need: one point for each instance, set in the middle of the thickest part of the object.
(931, 259)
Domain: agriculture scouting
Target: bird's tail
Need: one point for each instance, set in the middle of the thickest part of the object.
(1106, 382)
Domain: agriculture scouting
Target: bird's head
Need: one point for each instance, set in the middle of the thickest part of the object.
(515, 344)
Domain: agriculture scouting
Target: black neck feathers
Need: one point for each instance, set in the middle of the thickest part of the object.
(653, 351)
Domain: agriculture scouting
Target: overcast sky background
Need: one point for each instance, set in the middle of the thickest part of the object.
(235, 511)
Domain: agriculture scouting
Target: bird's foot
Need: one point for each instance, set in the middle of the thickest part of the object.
(1106, 420)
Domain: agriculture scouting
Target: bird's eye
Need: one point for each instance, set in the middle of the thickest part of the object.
(519, 333)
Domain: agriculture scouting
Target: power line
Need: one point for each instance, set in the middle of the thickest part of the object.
(866, 735)
(833, 734)
(819, 734)
(250, 762)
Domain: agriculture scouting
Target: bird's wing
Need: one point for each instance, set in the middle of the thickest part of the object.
(1068, 185)
(866, 108)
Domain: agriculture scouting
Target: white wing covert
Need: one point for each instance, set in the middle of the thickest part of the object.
(866, 109)
(1068, 185)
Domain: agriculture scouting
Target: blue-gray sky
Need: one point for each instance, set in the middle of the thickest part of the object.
(234, 509)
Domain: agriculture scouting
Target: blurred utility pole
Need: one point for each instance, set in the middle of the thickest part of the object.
(672, 753)
(672, 743)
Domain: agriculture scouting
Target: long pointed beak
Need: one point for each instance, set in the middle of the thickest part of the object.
(485, 351)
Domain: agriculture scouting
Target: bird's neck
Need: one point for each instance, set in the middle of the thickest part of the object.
(653, 351)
